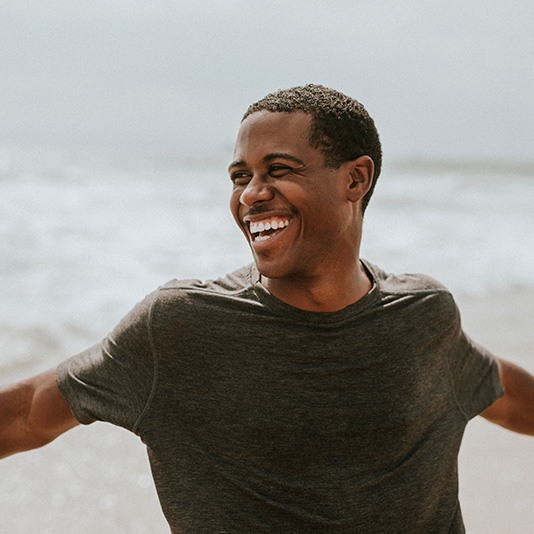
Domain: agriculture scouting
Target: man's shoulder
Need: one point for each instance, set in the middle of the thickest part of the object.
(228, 285)
(415, 294)
(419, 288)
(403, 283)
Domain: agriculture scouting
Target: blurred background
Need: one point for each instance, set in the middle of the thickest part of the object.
(444, 80)
(117, 120)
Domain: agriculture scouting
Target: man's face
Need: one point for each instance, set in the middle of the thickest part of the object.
(292, 209)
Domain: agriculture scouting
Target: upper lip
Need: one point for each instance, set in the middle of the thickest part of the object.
(266, 215)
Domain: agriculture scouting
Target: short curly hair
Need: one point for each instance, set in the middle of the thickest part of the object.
(341, 127)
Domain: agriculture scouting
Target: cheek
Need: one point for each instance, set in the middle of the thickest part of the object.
(324, 217)
(234, 201)
(235, 205)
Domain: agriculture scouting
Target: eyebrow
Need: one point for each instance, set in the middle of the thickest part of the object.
(267, 158)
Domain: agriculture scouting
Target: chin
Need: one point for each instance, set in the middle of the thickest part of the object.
(271, 269)
(278, 270)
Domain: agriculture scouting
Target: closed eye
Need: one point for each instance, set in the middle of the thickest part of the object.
(240, 177)
(278, 170)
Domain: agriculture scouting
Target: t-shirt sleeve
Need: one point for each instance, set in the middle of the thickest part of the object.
(474, 373)
(112, 381)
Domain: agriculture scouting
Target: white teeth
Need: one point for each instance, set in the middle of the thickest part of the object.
(257, 227)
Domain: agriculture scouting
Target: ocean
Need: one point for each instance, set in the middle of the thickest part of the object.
(85, 235)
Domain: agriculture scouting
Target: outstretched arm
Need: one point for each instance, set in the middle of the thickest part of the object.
(32, 414)
(515, 409)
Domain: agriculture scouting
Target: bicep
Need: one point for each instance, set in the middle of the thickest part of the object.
(497, 410)
(515, 409)
(32, 413)
(49, 414)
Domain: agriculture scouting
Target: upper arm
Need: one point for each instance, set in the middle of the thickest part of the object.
(496, 411)
(113, 380)
(32, 413)
(50, 414)
(515, 409)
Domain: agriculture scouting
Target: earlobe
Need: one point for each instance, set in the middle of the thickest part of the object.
(361, 172)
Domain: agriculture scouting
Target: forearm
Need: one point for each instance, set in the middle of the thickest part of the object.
(515, 409)
(15, 405)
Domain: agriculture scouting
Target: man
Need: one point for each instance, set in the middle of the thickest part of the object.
(308, 392)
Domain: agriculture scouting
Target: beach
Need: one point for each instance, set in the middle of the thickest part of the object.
(497, 466)
(97, 478)
(85, 236)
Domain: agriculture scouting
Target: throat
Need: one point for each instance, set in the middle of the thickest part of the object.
(320, 296)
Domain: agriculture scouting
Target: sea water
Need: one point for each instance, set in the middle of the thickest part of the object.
(84, 236)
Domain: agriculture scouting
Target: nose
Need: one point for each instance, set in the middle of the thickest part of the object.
(256, 190)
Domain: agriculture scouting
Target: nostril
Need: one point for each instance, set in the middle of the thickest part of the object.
(254, 192)
(245, 199)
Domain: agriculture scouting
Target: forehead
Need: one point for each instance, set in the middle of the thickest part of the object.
(273, 132)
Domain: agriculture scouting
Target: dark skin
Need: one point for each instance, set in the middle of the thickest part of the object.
(32, 414)
(313, 263)
(310, 261)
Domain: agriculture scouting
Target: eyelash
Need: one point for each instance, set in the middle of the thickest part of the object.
(278, 168)
(239, 175)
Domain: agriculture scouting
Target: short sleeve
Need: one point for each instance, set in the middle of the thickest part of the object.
(112, 381)
(474, 373)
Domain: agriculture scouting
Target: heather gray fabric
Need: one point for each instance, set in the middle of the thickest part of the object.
(259, 417)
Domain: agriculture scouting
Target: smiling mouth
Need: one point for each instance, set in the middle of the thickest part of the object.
(266, 229)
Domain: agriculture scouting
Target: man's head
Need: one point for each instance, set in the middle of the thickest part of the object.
(340, 126)
(301, 218)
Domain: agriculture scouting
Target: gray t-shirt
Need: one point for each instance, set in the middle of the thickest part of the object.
(259, 417)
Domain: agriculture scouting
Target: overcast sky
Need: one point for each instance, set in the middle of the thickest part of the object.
(441, 78)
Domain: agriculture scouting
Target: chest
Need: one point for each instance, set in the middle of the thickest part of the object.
(289, 394)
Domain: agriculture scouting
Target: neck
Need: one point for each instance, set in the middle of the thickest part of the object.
(330, 292)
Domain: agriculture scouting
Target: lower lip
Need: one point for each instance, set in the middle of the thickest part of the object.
(260, 243)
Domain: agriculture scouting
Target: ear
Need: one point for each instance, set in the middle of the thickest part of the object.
(359, 177)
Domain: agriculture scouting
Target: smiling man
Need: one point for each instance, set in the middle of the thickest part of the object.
(301, 216)
(308, 392)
